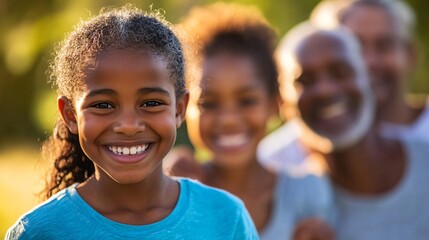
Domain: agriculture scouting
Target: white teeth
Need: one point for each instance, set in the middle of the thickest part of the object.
(128, 150)
(133, 150)
(333, 110)
(232, 140)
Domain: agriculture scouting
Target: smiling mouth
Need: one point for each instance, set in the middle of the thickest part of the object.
(133, 150)
(333, 110)
(232, 140)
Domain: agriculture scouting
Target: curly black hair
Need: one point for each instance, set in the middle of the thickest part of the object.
(120, 28)
(232, 28)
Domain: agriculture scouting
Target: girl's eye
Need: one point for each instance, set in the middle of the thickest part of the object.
(102, 106)
(207, 105)
(246, 102)
(151, 104)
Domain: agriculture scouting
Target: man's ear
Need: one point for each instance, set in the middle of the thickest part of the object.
(68, 113)
(181, 105)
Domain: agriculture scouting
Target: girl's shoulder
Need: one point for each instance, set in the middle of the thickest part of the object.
(210, 200)
(53, 205)
(216, 207)
(211, 195)
(47, 215)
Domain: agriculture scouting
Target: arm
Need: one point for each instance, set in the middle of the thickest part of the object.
(181, 162)
(313, 229)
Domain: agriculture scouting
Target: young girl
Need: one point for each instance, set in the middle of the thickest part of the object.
(120, 79)
(231, 68)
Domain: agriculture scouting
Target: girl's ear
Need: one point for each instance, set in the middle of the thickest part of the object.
(68, 113)
(181, 105)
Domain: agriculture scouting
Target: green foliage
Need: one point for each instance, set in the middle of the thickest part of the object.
(30, 31)
(45, 112)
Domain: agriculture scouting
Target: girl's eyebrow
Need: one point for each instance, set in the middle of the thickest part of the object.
(243, 90)
(148, 90)
(141, 91)
(104, 91)
(249, 88)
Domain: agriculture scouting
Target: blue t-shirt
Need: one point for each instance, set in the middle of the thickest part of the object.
(201, 212)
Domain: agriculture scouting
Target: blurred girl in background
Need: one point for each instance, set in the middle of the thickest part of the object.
(233, 80)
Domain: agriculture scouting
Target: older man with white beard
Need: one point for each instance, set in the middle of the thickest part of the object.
(385, 29)
(379, 183)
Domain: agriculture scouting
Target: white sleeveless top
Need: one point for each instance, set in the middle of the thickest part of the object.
(401, 214)
(297, 198)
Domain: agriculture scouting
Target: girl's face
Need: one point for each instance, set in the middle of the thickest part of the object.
(127, 116)
(233, 109)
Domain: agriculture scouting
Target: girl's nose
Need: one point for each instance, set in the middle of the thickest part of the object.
(229, 116)
(129, 123)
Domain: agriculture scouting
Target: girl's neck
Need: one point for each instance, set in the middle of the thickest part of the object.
(373, 166)
(136, 204)
(240, 180)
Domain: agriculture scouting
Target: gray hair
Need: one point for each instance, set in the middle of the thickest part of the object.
(329, 13)
(286, 53)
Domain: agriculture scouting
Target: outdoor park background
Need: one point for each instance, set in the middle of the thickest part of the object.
(28, 32)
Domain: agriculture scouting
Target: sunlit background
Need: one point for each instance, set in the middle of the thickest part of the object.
(28, 33)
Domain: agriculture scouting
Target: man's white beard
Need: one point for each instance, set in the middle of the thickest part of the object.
(349, 137)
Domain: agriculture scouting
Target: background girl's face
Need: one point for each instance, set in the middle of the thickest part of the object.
(127, 116)
(233, 108)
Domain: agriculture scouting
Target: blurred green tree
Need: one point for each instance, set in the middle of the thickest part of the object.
(30, 30)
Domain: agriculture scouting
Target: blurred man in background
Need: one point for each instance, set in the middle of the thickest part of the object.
(376, 179)
(385, 29)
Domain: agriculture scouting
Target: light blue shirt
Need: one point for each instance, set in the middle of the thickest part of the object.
(402, 213)
(297, 198)
(419, 129)
(201, 212)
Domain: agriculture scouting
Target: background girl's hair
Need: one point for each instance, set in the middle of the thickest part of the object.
(125, 27)
(233, 28)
